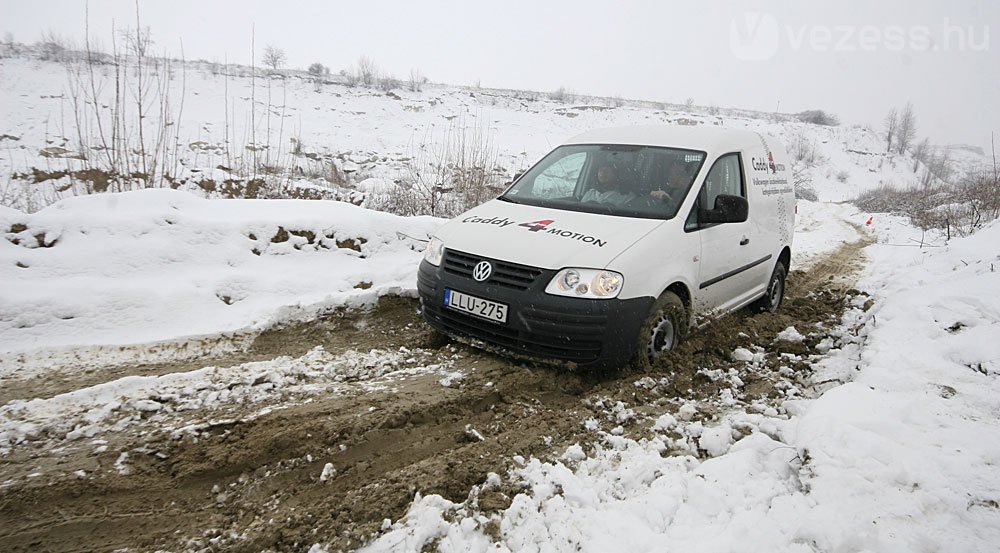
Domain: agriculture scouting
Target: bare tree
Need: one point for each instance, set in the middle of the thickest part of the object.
(920, 153)
(891, 128)
(907, 128)
(937, 167)
(367, 71)
(274, 57)
(52, 46)
(416, 80)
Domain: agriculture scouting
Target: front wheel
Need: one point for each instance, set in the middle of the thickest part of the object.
(662, 331)
(775, 294)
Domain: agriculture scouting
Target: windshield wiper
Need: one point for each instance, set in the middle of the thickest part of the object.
(506, 199)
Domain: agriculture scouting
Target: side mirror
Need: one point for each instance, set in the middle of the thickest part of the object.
(728, 209)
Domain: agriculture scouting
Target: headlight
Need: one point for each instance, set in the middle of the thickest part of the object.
(586, 283)
(434, 252)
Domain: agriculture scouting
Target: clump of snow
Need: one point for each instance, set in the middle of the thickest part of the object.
(790, 334)
(328, 472)
(687, 411)
(121, 464)
(742, 354)
(451, 379)
(716, 440)
(473, 434)
(574, 453)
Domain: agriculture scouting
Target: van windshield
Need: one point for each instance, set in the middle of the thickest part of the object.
(627, 181)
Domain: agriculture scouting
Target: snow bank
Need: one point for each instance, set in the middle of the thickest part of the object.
(160, 265)
(904, 458)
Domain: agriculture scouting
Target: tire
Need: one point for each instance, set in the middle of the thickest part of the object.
(771, 300)
(662, 330)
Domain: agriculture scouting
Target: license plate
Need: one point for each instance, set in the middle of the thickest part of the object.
(486, 309)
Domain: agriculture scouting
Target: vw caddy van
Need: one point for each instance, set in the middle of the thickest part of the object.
(609, 249)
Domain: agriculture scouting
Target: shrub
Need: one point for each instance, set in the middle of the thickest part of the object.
(416, 80)
(818, 117)
(803, 150)
(447, 174)
(803, 183)
(387, 83)
(366, 72)
(318, 70)
(561, 95)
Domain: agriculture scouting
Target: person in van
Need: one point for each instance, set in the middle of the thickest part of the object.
(677, 182)
(608, 189)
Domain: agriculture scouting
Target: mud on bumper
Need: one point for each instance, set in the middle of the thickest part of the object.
(586, 332)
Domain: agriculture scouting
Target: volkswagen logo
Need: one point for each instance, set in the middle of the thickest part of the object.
(482, 271)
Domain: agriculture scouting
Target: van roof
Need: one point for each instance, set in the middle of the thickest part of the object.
(709, 139)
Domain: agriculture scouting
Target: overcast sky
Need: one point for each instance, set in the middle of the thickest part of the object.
(854, 58)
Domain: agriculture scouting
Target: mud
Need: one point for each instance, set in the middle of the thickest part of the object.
(252, 480)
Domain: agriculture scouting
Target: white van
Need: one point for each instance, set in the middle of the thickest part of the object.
(614, 244)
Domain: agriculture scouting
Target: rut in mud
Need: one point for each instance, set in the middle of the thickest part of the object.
(330, 464)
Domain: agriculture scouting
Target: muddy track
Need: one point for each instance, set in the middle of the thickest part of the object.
(254, 483)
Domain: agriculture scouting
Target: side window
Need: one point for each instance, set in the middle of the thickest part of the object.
(559, 179)
(725, 177)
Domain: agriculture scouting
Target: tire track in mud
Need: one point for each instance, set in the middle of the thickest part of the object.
(255, 484)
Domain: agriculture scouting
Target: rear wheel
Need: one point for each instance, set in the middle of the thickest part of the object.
(662, 331)
(775, 294)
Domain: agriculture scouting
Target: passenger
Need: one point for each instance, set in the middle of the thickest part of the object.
(608, 189)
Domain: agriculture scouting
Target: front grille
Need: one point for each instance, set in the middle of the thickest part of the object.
(548, 338)
(508, 275)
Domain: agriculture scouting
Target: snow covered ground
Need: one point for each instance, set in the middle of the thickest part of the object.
(372, 138)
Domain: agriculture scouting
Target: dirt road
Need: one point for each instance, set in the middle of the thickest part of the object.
(328, 459)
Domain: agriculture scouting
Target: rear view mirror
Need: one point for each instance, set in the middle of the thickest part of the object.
(728, 209)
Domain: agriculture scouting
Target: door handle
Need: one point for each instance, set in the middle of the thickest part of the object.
(745, 241)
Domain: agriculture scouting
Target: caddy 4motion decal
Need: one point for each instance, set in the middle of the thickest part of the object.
(537, 226)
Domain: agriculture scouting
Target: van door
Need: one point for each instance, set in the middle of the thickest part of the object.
(724, 275)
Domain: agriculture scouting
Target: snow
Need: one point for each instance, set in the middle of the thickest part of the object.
(791, 334)
(205, 393)
(371, 136)
(820, 228)
(328, 472)
(132, 268)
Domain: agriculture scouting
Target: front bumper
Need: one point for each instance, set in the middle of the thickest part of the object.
(586, 332)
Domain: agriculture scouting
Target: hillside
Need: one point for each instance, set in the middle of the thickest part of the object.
(334, 141)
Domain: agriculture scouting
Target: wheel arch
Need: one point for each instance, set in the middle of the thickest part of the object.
(683, 292)
(785, 257)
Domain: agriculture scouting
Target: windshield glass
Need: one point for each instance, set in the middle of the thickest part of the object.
(627, 181)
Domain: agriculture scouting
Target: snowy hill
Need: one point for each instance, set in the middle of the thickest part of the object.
(343, 140)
